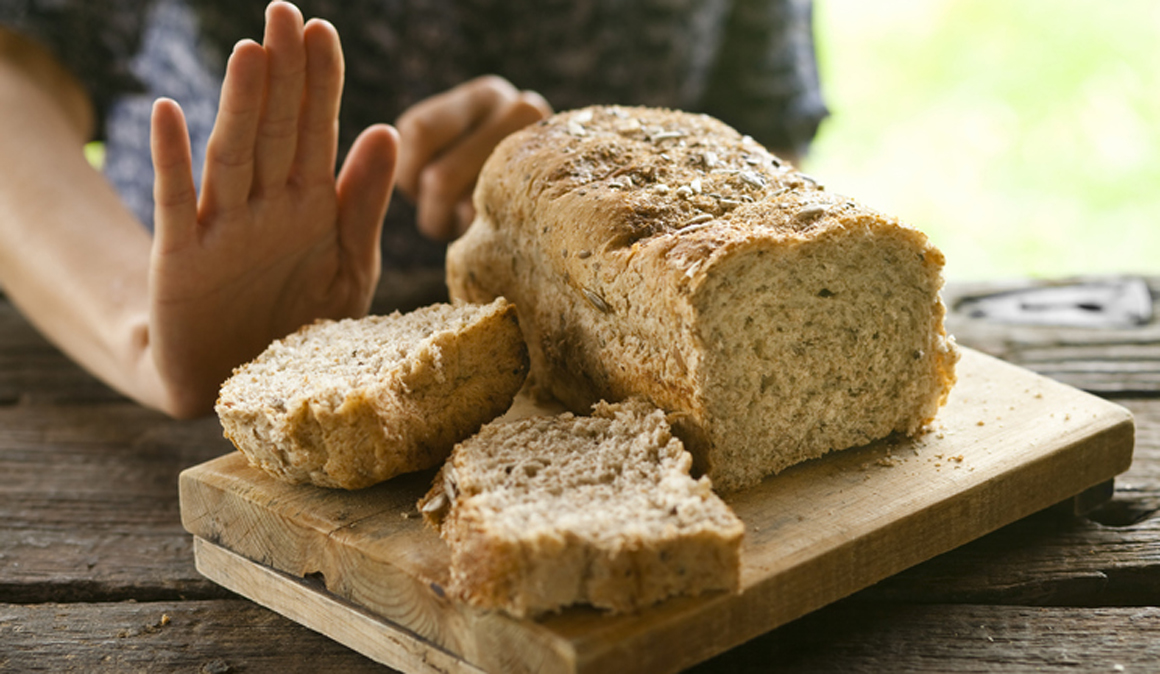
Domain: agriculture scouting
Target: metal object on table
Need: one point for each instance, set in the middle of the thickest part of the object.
(1110, 303)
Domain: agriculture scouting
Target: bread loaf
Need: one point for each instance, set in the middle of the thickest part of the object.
(545, 512)
(661, 254)
(355, 402)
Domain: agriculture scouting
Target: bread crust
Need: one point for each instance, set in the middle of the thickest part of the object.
(546, 512)
(401, 416)
(631, 238)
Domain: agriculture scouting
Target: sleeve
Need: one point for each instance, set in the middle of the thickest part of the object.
(765, 81)
(94, 40)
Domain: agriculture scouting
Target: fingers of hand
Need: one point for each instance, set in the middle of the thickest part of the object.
(318, 129)
(432, 125)
(175, 199)
(277, 138)
(267, 128)
(449, 177)
(229, 166)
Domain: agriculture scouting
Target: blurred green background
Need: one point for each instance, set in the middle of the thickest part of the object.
(1023, 137)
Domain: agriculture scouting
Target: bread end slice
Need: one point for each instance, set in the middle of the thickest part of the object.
(354, 402)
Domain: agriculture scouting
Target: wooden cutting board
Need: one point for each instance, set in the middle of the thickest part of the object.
(362, 567)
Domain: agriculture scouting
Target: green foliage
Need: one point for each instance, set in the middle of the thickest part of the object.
(1023, 137)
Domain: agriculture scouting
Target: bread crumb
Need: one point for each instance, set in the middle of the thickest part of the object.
(980, 422)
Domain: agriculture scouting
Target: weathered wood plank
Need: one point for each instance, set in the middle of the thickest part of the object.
(219, 636)
(89, 505)
(852, 638)
(1045, 560)
(34, 371)
(848, 637)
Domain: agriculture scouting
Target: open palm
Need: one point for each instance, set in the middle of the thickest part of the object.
(274, 240)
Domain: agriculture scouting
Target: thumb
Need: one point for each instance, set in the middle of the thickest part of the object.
(364, 190)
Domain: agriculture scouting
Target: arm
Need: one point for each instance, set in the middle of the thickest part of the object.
(71, 257)
(273, 241)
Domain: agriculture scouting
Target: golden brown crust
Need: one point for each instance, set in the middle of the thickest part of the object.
(546, 512)
(402, 417)
(634, 241)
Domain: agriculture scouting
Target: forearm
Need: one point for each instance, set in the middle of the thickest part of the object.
(72, 258)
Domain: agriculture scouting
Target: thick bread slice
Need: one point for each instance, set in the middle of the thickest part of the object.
(661, 254)
(545, 512)
(355, 402)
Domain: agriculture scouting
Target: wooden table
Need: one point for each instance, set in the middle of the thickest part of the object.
(97, 574)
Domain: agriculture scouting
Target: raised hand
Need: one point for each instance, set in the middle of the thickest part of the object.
(274, 240)
(444, 141)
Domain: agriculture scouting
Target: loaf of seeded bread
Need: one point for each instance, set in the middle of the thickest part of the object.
(661, 254)
(354, 402)
(545, 512)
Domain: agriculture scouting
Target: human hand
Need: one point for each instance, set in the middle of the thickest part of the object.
(444, 141)
(275, 240)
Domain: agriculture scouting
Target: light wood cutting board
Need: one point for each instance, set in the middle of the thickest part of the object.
(362, 567)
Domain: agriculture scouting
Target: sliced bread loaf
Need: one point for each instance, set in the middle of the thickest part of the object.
(545, 512)
(661, 254)
(354, 402)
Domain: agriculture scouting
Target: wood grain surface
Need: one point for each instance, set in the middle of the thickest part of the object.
(93, 554)
(1008, 443)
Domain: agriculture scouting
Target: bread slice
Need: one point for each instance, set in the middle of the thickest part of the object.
(354, 402)
(660, 254)
(545, 512)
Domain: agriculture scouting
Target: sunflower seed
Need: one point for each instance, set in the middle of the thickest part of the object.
(752, 179)
(810, 213)
(695, 220)
(597, 301)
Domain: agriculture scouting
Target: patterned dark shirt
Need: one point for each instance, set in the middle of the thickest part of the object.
(748, 62)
